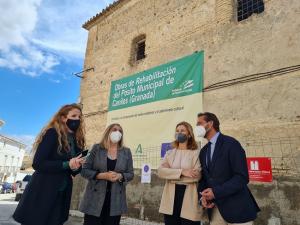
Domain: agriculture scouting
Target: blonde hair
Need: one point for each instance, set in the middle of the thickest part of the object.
(191, 144)
(105, 141)
(60, 127)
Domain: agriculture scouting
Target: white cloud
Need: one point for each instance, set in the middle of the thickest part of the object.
(55, 81)
(36, 35)
(30, 60)
(18, 19)
(13, 60)
(63, 32)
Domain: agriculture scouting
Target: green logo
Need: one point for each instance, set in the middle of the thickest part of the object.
(139, 149)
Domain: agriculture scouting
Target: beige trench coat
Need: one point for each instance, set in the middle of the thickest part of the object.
(190, 208)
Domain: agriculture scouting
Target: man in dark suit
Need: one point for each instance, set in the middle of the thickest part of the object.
(223, 188)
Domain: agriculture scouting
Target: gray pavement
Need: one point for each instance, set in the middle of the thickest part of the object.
(8, 206)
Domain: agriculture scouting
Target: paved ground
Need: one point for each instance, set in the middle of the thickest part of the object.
(8, 206)
(124, 221)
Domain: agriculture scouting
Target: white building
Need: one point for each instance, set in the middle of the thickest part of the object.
(11, 157)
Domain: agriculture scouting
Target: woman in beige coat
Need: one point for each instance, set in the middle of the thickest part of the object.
(181, 170)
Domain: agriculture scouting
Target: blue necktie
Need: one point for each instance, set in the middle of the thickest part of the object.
(208, 155)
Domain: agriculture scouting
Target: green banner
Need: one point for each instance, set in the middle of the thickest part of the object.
(178, 78)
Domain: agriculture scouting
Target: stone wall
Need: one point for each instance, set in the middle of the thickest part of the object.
(173, 29)
(278, 200)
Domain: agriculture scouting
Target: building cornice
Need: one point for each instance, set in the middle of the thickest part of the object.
(11, 141)
(104, 13)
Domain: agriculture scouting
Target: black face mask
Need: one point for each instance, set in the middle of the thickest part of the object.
(180, 137)
(73, 124)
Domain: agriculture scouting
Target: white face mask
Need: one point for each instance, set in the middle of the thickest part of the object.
(115, 136)
(200, 131)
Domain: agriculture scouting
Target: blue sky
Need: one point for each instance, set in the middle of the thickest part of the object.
(41, 45)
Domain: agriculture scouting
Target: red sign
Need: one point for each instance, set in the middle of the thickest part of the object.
(260, 169)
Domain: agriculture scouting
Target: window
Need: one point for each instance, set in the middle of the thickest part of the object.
(12, 161)
(247, 7)
(138, 49)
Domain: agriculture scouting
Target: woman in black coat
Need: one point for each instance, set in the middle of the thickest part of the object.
(46, 199)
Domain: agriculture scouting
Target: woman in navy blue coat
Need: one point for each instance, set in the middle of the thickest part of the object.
(46, 199)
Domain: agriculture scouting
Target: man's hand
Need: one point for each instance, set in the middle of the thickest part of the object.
(207, 204)
(208, 194)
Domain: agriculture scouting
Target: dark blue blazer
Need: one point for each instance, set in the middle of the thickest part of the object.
(228, 177)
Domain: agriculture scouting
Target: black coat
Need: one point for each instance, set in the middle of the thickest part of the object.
(38, 199)
(228, 177)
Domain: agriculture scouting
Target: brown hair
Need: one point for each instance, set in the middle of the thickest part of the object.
(191, 144)
(57, 123)
(211, 117)
(105, 141)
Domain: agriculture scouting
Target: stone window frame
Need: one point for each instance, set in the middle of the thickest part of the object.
(134, 49)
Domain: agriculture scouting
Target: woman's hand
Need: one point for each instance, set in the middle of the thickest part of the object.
(76, 162)
(110, 176)
(113, 176)
(192, 173)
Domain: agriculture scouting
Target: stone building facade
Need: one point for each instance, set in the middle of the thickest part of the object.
(11, 157)
(251, 80)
